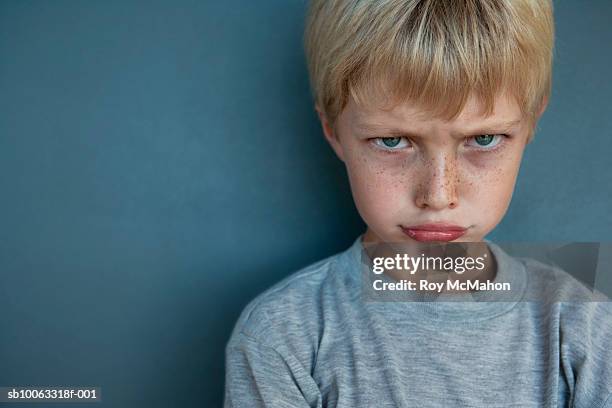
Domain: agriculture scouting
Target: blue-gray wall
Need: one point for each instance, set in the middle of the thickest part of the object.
(161, 164)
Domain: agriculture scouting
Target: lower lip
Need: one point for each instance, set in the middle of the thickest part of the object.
(433, 236)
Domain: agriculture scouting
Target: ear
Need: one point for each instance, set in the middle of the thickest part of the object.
(542, 107)
(330, 133)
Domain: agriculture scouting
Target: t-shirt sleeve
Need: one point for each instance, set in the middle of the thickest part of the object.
(258, 375)
(586, 353)
(608, 403)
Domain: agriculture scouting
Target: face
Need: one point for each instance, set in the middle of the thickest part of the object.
(415, 177)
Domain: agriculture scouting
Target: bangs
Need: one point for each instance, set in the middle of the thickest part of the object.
(437, 53)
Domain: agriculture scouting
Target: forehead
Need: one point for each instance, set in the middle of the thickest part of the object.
(506, 114)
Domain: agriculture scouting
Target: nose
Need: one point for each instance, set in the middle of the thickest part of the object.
(439, 183)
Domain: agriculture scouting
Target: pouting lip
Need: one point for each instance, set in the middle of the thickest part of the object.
(438, 235)
(435, 227)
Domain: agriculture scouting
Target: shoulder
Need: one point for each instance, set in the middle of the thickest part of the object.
(582, 314)
(580, 318)
(583, 319)
(291, 312)
(550, 283)
(286, 300)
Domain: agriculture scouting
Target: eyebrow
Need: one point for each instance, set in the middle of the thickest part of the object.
(496, 127)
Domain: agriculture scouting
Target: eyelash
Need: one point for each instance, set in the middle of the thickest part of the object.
(501, 141)
(385, 149)
(377, 142)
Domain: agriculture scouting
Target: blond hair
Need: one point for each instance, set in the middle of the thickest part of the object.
(433, 52)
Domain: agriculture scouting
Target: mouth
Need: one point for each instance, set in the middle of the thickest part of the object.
(434, 232)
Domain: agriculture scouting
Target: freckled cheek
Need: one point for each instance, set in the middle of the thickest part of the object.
(379, 188)
(489, 187)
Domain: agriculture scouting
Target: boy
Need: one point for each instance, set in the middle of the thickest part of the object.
(429, 104)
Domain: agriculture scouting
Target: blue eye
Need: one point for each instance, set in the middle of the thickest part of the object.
(485, 142)
(391, 143)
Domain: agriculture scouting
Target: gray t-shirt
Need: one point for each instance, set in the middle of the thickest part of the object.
(314, 340)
